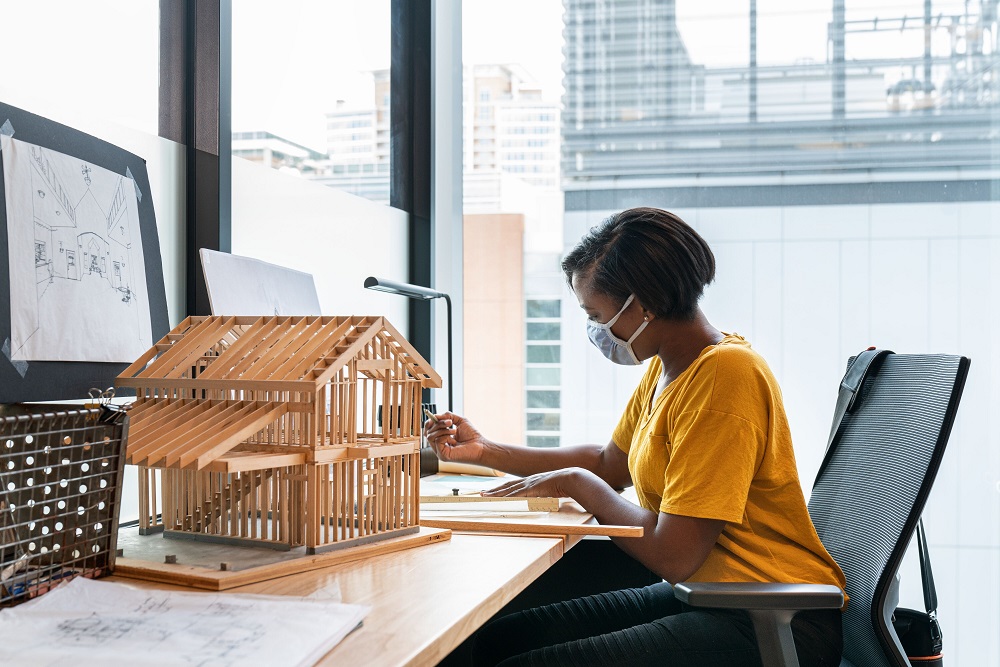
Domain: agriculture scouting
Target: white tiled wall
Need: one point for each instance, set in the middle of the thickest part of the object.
(811, 285)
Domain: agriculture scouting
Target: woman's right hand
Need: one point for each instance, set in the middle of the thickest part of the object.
(454, 438)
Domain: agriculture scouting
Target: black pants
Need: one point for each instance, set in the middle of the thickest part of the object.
(644, 626)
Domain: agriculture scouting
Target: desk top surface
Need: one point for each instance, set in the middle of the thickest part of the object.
(425, 601)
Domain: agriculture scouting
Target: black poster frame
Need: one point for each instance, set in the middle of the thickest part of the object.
(62, 380)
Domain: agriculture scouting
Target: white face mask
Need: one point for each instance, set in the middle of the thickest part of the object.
(610, 345)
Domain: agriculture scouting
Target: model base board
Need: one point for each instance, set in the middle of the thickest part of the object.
(199, 564)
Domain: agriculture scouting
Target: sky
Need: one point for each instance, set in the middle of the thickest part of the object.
(292, 66)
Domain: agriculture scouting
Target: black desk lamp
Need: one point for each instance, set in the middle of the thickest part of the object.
(424, 294)
(428, 461)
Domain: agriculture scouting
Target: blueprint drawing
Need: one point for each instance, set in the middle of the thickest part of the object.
(88, 623)
(77, 274)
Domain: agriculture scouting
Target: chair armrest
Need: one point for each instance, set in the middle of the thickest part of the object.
(770, 607)
(749, 595)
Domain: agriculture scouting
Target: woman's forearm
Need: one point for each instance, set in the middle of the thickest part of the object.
(672, 547)
(523, 461)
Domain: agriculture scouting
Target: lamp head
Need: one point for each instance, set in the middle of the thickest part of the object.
(404, 289)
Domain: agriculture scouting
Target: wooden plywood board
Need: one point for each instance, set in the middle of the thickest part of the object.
(571, 519)
(195, 576)
(531, 528)
(490, 502)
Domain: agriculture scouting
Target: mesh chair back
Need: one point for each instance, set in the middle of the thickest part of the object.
(869, 496)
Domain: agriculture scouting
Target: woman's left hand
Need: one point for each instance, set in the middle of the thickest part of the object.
(555, 484)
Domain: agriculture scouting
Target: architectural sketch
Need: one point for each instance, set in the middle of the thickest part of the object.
(76, 259)
(88, 622)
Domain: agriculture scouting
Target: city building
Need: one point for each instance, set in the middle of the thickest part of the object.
(493, 326)
(509, 126)
(636, 106)
(276, 152)
(357, 145)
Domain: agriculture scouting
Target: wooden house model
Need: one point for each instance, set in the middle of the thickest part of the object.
(279, 431)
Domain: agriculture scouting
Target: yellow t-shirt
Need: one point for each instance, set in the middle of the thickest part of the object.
(715, 444)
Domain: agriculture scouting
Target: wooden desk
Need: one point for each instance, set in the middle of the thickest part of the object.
(425, 601)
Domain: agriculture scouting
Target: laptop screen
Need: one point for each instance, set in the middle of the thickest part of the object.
(244, 286)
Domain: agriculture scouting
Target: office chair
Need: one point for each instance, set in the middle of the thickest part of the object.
(866, 502)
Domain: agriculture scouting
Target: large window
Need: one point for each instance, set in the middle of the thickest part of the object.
(839, 157)
(512, 88)
(79, 62)
(311, 91)
(310, 96)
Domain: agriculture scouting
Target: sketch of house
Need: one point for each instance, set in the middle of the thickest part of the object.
(77, 236)
(282, 431)
(75, 254)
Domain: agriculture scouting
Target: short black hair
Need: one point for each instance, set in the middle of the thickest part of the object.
(650, 253)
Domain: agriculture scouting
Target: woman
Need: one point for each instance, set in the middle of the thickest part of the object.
(705, 442)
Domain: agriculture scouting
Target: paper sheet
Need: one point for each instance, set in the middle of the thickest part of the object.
(85, 622)
(442, 485)
(77, 272)
(467, 469)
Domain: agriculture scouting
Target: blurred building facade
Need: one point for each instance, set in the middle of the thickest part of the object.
(849, 202)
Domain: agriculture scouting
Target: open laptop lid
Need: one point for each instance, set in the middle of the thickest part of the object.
(244, 286)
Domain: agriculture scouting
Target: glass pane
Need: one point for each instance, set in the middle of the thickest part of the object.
(543, 399)
(543, 441)
(543, 331)
(543, 377)
(543, 421)
(513, 203)
(543, 354)
(62, 58)
(317, 106)
(854, 151)
(539, 308)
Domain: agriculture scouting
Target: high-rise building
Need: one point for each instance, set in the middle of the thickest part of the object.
(637, 107)
(357, 144)
(627, 74)
(359, 134)
(509, 126)
(352, 137)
